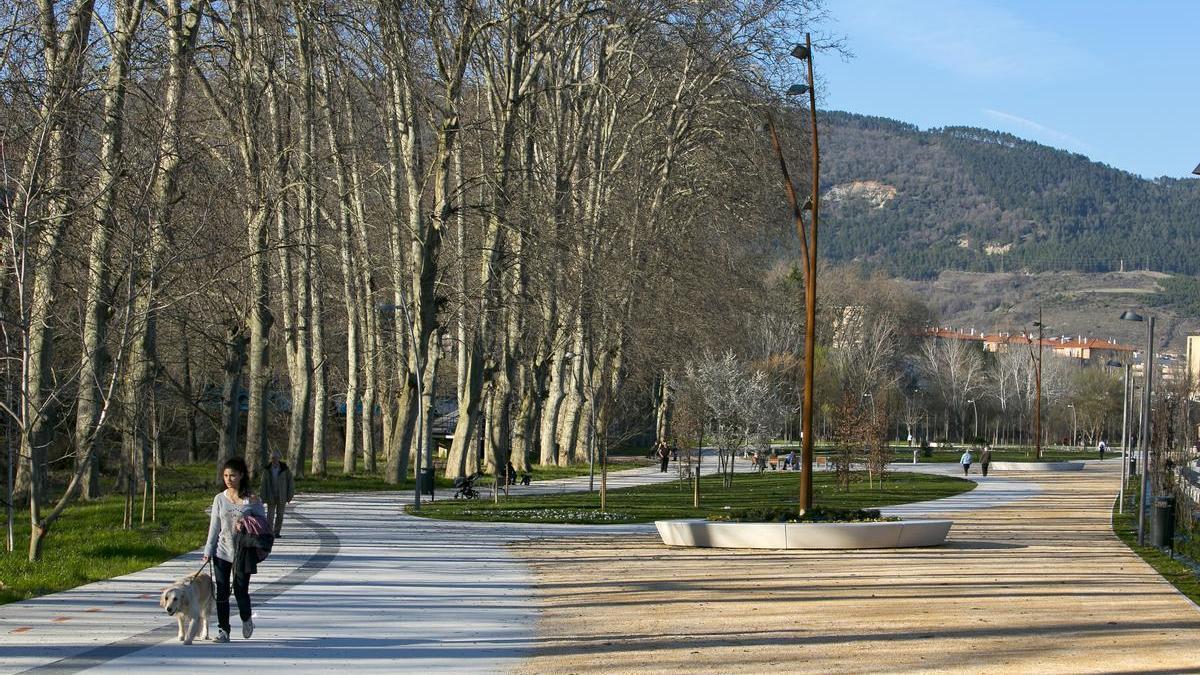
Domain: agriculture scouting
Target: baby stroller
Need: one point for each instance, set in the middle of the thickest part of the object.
(465, 487)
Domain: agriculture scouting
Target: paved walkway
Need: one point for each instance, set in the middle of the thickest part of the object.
(1037, 585)
(356, 583)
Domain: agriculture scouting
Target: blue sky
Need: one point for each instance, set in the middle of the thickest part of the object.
(1116, 81)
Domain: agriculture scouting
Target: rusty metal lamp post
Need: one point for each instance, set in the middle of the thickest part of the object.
(1037, 420)
(808, 249)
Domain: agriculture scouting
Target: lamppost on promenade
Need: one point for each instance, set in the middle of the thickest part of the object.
(1124, 431)
(808, 250)
(975, 409)
(1074, 423)
(1144, 435)
(418, 371)
(868, 395)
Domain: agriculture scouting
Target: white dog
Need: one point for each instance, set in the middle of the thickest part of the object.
(188, 600)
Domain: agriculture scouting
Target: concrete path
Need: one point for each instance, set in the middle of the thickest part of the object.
(353, 584)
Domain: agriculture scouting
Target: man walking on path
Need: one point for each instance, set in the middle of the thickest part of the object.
(965, 460)
(277, 490)
(1102, 447)
(985, 458)
(664, 455)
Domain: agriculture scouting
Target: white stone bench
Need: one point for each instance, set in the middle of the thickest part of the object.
(884, 534)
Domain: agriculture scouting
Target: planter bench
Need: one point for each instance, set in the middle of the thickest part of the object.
(885, 534)
(1036, 466)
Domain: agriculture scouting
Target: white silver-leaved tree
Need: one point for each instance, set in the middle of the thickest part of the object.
(740, 405)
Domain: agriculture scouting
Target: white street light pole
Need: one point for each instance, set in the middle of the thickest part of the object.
(975, 409)
(1074, 424)
(1124, 440)
(1144, 434)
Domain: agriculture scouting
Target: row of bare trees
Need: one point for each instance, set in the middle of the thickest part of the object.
(237, 224)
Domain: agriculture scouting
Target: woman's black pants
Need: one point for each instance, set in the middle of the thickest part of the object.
(241, 590)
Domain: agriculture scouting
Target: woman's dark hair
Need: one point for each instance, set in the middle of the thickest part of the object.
(239, 465)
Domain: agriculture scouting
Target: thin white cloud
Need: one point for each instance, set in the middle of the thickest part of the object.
(975, 39)
(1041, 132)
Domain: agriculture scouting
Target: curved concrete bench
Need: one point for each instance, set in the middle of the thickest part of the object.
(894, 534)
(1037, 466)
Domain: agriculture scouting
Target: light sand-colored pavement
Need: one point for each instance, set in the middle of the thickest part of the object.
(1037, 584)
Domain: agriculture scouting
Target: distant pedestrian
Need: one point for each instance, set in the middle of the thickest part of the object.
(789, 462)
(965, 460)
(278, 489)
(664, 455)
(985, 458)
(1102, 446)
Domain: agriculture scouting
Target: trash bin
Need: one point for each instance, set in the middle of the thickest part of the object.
(1163, 535)
(425, 481)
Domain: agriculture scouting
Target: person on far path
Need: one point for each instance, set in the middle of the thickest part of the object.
(1102, 446)
(278, 489)
(664, 455)
(228, 508)
(985, 458)
(965, 460)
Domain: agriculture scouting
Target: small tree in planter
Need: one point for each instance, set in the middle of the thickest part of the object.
(848, 437)
(877, 431)
(688, 422)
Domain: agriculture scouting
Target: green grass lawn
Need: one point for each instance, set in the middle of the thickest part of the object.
(674, 500)
(87, 543)
(1173, 570)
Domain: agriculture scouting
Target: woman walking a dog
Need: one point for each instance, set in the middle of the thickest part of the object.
(228, 507)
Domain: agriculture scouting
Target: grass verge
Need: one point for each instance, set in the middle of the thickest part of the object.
(674, 500)
(88, 544)
(1175, 571)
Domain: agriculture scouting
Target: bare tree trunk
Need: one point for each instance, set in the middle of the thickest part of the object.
(65, 55)
(320, 398)
(231, 408)
(94, 356)
(552, 410)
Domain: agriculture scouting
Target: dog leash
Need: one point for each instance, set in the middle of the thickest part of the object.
(208, 563)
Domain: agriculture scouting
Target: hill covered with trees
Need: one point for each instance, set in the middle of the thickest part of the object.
(918, 202)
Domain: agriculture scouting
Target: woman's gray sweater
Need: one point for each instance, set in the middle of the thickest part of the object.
(221, 524)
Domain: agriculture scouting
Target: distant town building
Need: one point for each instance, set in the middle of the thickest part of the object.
(848, 328)
(1084, 350)
(1193, 363)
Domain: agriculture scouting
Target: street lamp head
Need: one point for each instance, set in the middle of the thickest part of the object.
(568, 356)
(797, 90)
(802, 52)
(1070, 405)
(1196, 170)
(1130, 315)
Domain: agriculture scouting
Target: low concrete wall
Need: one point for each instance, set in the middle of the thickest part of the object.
(896, 534)
(1036, 466)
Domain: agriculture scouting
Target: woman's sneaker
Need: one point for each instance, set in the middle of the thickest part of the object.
(222, 636)
(247, 628)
